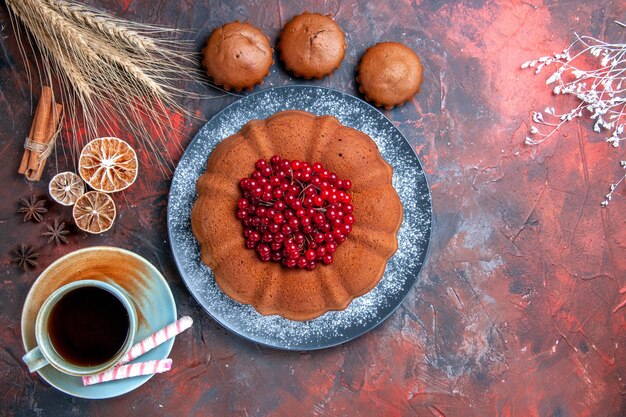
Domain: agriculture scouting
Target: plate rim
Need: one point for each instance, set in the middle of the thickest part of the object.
(381, 318)
(140, 380)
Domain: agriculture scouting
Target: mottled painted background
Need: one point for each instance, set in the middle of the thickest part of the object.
(513, 314)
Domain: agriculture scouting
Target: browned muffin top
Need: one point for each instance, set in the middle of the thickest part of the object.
(237, 56)
(389, 74)
(312, 45)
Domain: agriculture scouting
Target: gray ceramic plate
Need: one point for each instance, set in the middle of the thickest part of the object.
(364, 313)
(142, 281)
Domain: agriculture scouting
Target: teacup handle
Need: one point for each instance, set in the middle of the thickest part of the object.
(34, 360)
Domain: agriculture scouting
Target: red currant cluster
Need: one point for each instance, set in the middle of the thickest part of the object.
(294, 212)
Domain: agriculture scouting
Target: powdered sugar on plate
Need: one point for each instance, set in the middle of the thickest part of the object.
(365, 312)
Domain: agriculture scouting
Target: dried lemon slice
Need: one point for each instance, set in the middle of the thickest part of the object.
(66, 187)
(108, 164)
(94, 212)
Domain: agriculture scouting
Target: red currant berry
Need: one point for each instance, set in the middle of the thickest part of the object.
(263, 249)
(279, 206)
(294, 223)
(299, 238)
(277, 193)
(274, 181)
(266, 171)
(297, 204)
(243, 203)
(325, 227)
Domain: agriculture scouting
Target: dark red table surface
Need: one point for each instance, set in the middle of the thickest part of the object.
(513, 314)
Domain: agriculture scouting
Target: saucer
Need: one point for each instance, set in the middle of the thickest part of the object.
(142, 281)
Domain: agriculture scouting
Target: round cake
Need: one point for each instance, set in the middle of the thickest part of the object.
(237, 56)
(359, 260)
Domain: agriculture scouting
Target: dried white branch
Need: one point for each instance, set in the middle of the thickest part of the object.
(601, 90)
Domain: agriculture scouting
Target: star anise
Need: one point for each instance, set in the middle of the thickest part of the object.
(32, 208)
(56, 232)
(25, 257)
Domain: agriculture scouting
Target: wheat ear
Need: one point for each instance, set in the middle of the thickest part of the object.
(113, 73)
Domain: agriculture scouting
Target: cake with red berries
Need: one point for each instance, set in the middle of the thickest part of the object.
(296, 215)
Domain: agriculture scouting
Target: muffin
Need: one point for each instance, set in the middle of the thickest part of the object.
(389, 74)
(312, 45)
(237, 56)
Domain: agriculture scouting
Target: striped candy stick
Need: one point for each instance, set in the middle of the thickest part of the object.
(157, 338)
(127, 371)
(121, 371)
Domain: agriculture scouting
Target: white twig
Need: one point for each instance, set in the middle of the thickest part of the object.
(601, 91)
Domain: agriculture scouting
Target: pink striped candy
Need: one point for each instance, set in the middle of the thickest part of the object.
(157, 338)
(128, 371)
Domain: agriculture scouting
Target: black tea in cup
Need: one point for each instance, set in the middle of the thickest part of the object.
(88, 326)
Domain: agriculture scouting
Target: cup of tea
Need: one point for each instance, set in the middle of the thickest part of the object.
(83, 328)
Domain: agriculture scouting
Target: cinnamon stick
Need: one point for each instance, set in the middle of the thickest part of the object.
(43, 130)
(37, 163)
(39, 126)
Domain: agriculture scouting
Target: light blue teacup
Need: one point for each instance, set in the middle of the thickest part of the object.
(45, 353)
